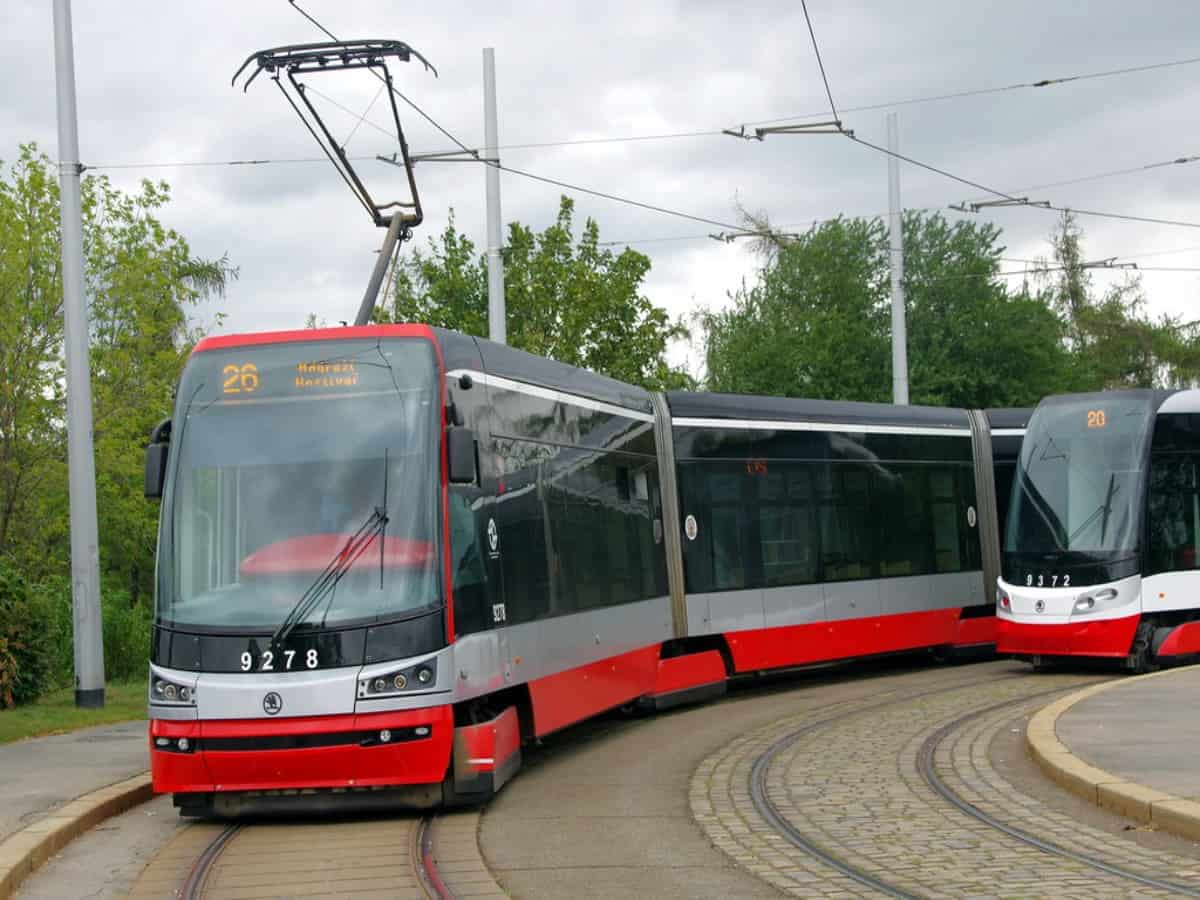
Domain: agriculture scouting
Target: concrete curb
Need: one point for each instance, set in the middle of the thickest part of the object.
(24, 851)
(1165, 811)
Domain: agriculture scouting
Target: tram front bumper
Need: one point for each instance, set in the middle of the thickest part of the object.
(1105, 637)
(407, 747)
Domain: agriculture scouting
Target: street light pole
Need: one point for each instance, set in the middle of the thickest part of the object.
(896, 260)
(81, 465)
(497, 329)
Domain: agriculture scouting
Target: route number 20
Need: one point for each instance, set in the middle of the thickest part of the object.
(1096, 418)
(267, 662)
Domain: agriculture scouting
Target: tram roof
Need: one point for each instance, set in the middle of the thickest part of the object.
(507, 362)
(1009, 417)
(749, 407)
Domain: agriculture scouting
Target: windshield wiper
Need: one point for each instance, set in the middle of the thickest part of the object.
(356, 545)
(1103, 510)
(1108, 497)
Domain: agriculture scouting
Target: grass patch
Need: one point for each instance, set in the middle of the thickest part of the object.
(55, 712)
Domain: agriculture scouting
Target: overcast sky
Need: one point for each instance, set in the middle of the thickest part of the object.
(153, 82)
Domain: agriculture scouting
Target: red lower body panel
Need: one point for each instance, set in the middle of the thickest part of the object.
(422, 760)
(976, 631)
(1182, 641)
(679, 673)
(793, 645)
(1108, 637)
(571, 696)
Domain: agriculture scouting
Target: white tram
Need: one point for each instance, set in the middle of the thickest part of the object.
(1100, 549)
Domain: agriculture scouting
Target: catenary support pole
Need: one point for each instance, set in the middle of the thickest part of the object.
(81, 465)
(896, 242)
(497, 330)
(384, 260)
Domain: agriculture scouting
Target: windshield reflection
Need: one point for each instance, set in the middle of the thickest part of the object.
(1080, 478)
(271, 487)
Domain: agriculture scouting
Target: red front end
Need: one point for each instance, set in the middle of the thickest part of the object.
(1107, 637)
(409, 747)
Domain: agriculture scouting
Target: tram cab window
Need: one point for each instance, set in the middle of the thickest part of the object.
(471, 610)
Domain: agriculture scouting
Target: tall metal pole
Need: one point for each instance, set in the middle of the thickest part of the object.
(495, 240)
(896, 246)
(81, 465)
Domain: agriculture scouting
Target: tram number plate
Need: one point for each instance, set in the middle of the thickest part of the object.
(1032, 580)
(285, 661)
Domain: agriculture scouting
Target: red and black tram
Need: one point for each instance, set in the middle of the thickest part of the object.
(389, 554)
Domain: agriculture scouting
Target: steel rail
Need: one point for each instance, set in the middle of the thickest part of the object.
(771, 813)
(193, 887)
(928, 770)
(425, 862)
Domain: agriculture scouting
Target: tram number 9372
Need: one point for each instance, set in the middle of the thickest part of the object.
(1032, 580)
(283, 662)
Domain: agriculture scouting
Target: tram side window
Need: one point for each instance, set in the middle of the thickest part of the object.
(847, 528)
(947, 541)
(717, 558)
(471, 610)
(1174, 513)
(787, 525)
(903, 519)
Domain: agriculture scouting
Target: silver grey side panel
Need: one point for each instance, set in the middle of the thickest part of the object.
(554, 645)
(834, 601)
(852, 600)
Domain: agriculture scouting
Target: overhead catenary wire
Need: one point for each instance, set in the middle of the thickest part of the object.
(977, 92)
(474, 153)
(530, 175)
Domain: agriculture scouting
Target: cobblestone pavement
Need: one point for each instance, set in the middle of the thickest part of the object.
(851, 786)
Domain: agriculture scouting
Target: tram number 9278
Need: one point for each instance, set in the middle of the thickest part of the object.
(284, 662)
(1032, 580)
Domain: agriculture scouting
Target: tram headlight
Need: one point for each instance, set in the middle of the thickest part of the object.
(1094, 601)
(1003, 601)
(165, 692)
(399, 681)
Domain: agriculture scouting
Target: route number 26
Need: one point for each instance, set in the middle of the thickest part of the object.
(267, 662)
(239, 379)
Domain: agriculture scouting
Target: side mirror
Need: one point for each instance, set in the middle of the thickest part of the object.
(156, 469)
(156, 458)
(460, 453)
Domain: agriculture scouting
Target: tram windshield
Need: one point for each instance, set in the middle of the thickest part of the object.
(1079, 485)
(303, 470)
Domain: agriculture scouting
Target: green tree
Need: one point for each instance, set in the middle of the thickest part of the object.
(569, 299)
(973, 341)
(1113, 341)
(140, 279)
(817, 322)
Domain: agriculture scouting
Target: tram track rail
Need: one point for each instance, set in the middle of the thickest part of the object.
(767, 808)
(422, 858)
(927, 767)
(844, 864)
